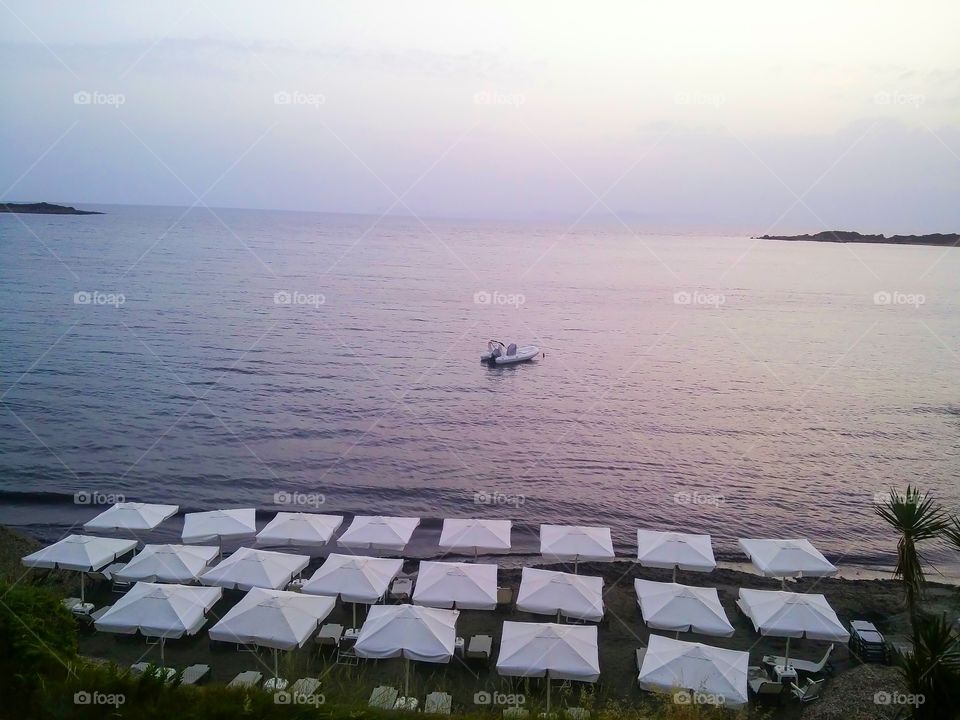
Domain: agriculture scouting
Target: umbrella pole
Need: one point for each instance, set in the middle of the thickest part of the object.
(276, 669)
(674, 573)
(354, 605)
(576, 563)
(83, 577)
(406, 677)
(548, 694)
(786, 657)
(163, 663)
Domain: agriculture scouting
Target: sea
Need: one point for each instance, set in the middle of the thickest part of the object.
(220, 358)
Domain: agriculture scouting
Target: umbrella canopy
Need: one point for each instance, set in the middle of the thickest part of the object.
(670, 664)
(369, 532)
(672, 550)
(301, 529)
(168, 563)
(249, 568)
(476, 535)
(85, 553)
(576, 543)
(469, 586)
(567, 652)
(131, 516)
(547, 592)
(410, 631)
(219, 525)
(277, 619)
(682, 608)
(787, 614)
(787, 558)
(167, 611)
(354, 578)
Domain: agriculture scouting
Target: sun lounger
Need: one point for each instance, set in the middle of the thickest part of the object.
(329, 635)
(438, 703)
(383, 697)
(479, 648)
(305, 687)
(515, 713)
(801, 666)
(195, 674)
(144, 667)
(401, 589)
(761, 684)
(809, 692)
(275, 684)
(71, 602)
(410, 704)
(97, 614)
(248, 678)
(576, 713)
(504, 599)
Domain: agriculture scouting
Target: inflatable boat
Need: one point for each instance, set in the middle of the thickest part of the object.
(500, 354)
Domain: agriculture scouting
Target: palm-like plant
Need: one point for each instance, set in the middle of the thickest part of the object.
(931, 672)
(916, 517)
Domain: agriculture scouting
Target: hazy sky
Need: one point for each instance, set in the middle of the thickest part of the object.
(752, 115)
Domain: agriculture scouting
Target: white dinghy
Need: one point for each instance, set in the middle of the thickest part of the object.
(500, 354)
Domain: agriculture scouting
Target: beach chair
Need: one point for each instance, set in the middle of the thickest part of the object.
(409, 704)
(329, 635)
(142, 668)
(808, 667)
(195, 674)
(576, 713)
(305, 687)
(401, 589)
(438, 703)
(275, 684)
(383, 697)
(809, 692)
(760, 683)
(479, 648)
(504, 599)
(246, 679)
(515, 713)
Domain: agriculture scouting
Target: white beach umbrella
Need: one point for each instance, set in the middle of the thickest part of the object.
(249, 568)
(682, 608)
(786, 558)
(369, 532)
(791, 615)
(576, 543)
(475, 534)
(408, 631)
(546, 592)
(300, 529)
(219, 525)
(277, 619)
(84, 553)
(164, 611)
(354, 578)
(565, 652)
(131, 516)
(673, 550)
(168, 563)
(466, 586)
(671, 664)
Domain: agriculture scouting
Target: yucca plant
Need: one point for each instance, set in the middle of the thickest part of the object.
(916, 518)
(932, 671)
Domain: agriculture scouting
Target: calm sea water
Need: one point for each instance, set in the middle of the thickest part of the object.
(717, 384)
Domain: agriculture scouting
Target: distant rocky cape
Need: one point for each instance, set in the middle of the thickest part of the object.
(845, 236)
(44, 209)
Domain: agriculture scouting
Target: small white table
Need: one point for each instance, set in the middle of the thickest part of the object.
(786, 674)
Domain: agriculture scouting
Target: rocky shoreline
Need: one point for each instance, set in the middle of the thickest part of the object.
(846, 236)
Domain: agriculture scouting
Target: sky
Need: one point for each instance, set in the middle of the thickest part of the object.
(747, 116)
